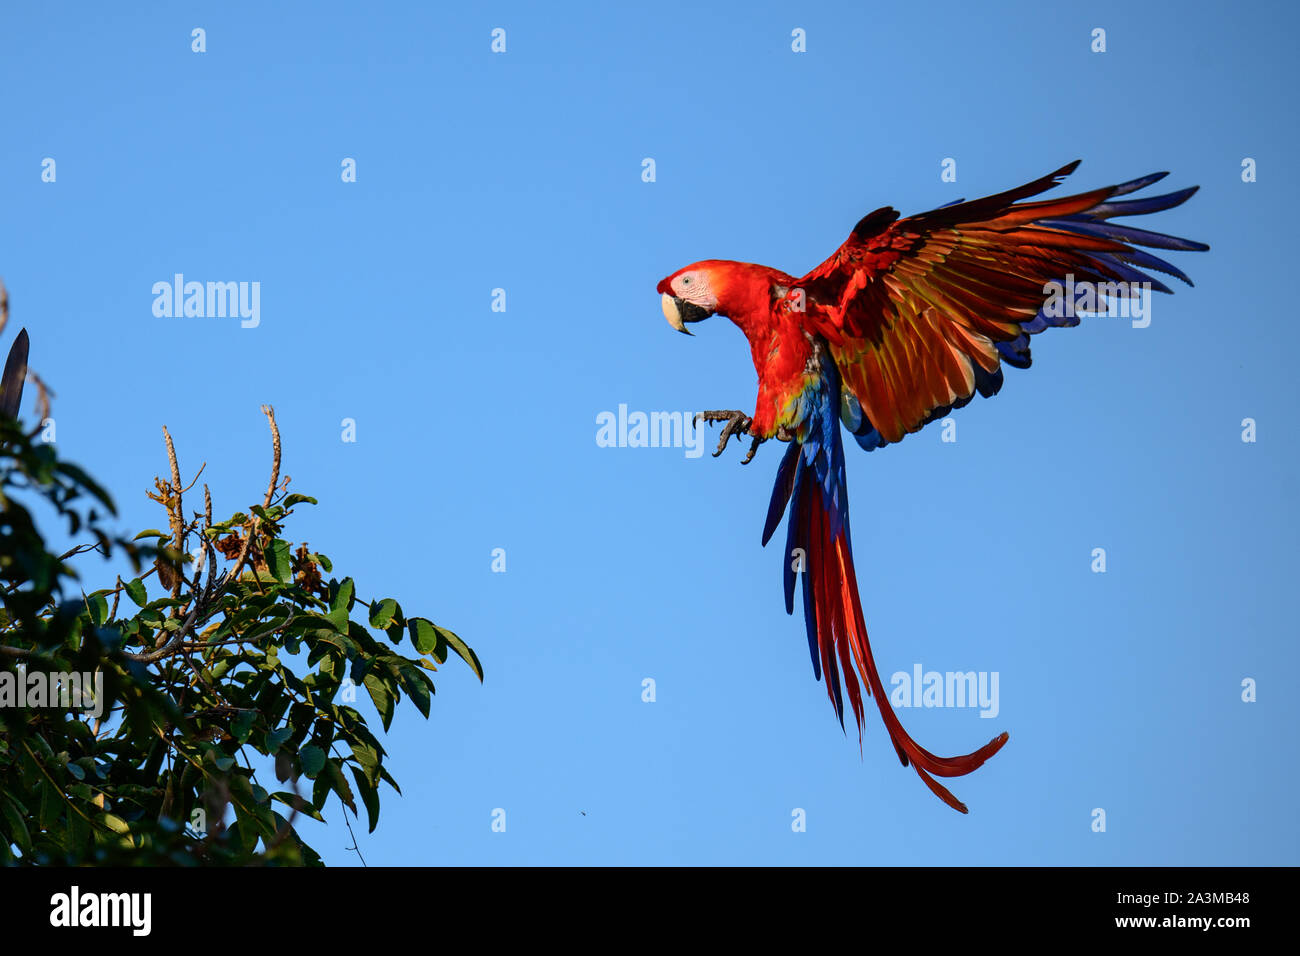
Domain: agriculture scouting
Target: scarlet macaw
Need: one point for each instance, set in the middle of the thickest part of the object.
(904, 323)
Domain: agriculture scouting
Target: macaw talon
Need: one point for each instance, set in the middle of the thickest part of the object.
(737, 424)
(753, 447)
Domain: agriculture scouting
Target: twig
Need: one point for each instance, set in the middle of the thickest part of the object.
(269, 412)
(348, 824)
(43, 395)
(174, 512)
(169, 648)
(117, 596)
(79, 549)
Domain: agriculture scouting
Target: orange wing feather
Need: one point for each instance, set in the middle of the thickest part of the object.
(919, 313)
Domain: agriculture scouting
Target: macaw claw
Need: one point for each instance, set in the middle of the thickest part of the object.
(737, 424)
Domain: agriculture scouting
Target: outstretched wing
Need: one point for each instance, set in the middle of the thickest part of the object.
(919, 313)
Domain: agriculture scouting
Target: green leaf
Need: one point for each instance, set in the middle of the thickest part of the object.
(13, 814)
(135, 590)
(43, 747)
(320, 792)
(279, 562)
(277, 737)
(418, 687)
(369, 796)
(464, 650)
(387, 777)
(98, 608)
(343, 597)
(297, 499)
(258, 817)
(151, 533)
(338, 619)
(51, 806)
(339, 783)
(244, 617)
(382, 697)
(78, 832)
(313, 759)
(243, 725)
(368, 758)
(307, 810)
(381, 613)
(424, 634)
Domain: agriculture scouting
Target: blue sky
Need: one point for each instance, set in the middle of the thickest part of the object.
(477, 429)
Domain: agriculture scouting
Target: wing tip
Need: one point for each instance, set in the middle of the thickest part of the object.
(1068, 168)
(874, 221)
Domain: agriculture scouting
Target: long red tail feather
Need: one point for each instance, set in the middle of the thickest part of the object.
(841, 628)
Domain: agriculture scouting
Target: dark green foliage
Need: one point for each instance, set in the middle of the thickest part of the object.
(217, 673)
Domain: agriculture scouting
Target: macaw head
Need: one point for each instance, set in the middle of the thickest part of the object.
(741, 291)
(691, 294)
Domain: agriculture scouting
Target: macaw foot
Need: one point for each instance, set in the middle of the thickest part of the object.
(737, 424)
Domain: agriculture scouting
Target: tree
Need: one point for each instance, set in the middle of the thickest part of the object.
(143, 731)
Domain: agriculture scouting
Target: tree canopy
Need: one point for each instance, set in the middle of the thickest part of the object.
(196, 712)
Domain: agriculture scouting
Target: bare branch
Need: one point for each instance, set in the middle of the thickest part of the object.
(167, 649)
(269, 412)
(175, 515)
(43, 395)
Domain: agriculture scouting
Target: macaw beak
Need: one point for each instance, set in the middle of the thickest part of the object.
(678, 312)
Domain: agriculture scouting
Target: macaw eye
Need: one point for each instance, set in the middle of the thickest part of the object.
(686, 280)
